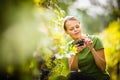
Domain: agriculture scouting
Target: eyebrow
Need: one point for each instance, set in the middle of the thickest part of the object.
(73, 26)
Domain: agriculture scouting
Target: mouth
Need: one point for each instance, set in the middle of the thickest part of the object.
(77, 33)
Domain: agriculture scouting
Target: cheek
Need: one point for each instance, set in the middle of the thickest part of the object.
(70, 32)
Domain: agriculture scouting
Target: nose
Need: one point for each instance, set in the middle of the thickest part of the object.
(75, 29)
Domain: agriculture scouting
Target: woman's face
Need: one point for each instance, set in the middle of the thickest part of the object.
(73, 29)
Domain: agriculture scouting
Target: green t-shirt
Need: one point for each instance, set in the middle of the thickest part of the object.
(86, 62)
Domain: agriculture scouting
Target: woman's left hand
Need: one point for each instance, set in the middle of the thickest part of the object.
(89, 43)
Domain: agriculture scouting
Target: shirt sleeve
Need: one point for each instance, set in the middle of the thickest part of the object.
(98, 44)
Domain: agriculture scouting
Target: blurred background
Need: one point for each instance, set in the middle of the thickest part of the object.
(32, 39)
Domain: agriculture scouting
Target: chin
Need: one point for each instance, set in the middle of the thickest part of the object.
(76, 38)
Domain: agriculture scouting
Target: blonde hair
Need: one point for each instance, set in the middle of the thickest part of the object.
(68, 18)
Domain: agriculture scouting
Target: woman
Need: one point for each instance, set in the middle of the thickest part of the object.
(89, 62)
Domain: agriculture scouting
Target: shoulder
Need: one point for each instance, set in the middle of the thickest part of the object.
(97, 42)
(94, 37)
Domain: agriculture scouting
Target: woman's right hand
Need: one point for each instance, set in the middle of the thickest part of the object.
(79, 48)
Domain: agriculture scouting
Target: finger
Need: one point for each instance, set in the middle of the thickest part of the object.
(77, 45)
(79, 49)
(87, 40)
(91, 42)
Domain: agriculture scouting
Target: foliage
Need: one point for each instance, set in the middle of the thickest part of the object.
(29, 34)
(52, 22)
(111, 39)
(33, 33)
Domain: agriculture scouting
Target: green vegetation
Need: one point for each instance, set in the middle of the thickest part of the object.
(32, 33)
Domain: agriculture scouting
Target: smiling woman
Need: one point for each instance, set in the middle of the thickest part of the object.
(88, 63)
(73, 29)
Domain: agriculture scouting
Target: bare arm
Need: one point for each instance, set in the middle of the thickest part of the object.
(99, 58)
(98, 55)
(73, 60)
(73, 63)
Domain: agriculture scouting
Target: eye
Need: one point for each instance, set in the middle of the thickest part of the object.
(77, 26)
(71, 29)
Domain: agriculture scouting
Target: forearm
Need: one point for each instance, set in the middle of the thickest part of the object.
(73, 63)
(100, 62)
